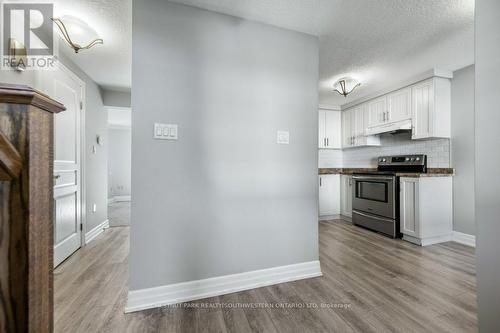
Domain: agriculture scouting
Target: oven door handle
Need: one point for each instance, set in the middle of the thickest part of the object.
(373, 217)
(372, 178)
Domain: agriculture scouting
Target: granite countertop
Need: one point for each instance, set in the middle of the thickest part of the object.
(431, 172)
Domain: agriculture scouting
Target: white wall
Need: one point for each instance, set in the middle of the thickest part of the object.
(462, 149)
(225, 198)
(119, 162)
(487, 120)
(437, 151)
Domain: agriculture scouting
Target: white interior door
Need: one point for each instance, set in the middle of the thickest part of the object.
(66, 88)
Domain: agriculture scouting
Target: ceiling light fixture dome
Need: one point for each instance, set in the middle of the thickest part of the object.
(82, 36)
(345, 86)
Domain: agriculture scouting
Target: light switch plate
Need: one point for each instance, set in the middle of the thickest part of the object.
(283, 137)
(165, 131)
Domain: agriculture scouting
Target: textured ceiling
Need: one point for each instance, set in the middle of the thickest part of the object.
(381, 42)
(110, 65)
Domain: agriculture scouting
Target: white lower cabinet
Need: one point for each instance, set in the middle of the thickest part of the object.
(346, 195)
(426, 209)
(329, 195)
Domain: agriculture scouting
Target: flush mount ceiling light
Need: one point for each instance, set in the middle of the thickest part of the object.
(83, 37)
(345, 86)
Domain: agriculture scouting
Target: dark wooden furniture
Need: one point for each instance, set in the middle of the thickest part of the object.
(26, 209)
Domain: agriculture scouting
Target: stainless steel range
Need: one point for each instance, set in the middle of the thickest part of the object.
(375, 203)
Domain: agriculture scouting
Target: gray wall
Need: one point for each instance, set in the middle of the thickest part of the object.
(119, 161)
(462, 149)
(224, 198)
(487, 162)
(116, 98)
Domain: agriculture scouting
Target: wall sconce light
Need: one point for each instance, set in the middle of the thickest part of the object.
(345, 86)
(81, 33)
(17, 55)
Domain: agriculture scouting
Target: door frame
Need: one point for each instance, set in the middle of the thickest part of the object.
(83, 197)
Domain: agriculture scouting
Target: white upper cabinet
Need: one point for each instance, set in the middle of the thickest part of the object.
(377, 111)
(322, 129)
(423, 107)
(354, 122)
(347, 135)
(399, 105)
(359, 122)
(431, 109)
(329, 130)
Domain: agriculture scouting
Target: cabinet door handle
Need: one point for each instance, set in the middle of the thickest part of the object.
(320, 181)
(327, 142)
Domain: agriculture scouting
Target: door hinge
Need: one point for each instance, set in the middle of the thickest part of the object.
(81, 226)
(81, 105)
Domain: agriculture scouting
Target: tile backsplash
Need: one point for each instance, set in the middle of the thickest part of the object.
(437, 151)
(330, 158)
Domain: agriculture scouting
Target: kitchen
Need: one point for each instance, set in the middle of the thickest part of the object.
(399, 161)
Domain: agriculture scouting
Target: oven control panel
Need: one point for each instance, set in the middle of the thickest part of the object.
(402, 160)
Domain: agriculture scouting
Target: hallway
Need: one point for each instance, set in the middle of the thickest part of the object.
(119, 214)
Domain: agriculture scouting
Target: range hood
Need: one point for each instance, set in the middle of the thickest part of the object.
(396, 127)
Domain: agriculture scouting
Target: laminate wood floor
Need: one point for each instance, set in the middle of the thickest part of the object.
(370, 284)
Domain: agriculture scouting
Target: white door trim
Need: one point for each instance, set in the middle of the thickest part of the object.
(83, 207)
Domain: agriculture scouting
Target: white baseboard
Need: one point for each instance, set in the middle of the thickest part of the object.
(429, 240)
(346, 218)
(465, 239)
(335, 217)
(194, 290)
(96, 231)
(119, 198)
(329, 217)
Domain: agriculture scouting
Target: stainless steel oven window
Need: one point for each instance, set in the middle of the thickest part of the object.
(372, 190)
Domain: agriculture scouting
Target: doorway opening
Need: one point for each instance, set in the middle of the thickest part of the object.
(119, 166)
